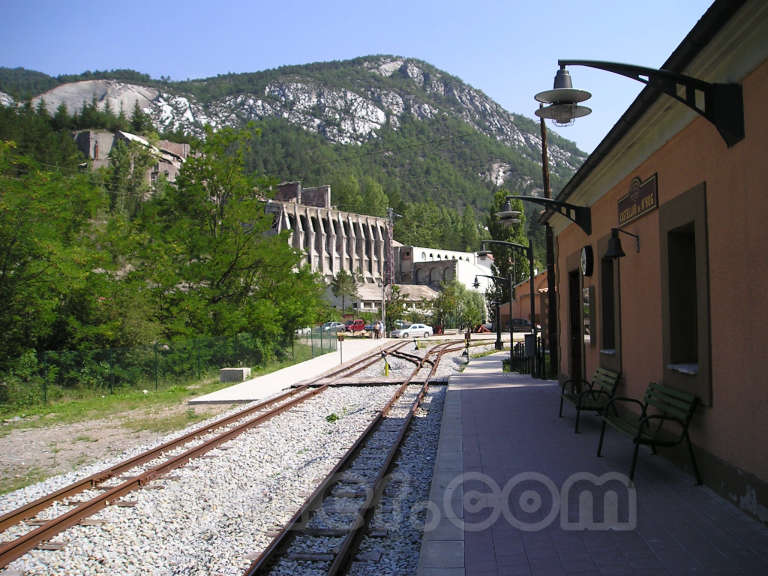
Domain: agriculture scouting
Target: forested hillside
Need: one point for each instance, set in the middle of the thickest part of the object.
(381, 130)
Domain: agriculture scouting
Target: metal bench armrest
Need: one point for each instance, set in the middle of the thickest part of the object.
(573, 382)
(612, 402)
(662, 418)
(594, 393)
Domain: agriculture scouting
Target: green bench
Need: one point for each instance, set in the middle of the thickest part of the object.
(593, 395)
(663, 420)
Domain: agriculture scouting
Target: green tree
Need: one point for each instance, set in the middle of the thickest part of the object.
(128, 176)
(61, 119)
(470, 231)
(375, 200)
(346, 193)
(141, 123)
(218, 269)
(396, 306)
(457, 307)
(343, 285)
(506, 260)
(47, 237)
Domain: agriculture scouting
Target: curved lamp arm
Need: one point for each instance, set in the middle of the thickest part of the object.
(721, 104)
(580, 215)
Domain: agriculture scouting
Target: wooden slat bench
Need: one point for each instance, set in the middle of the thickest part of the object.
(592, 395)
(663, 420)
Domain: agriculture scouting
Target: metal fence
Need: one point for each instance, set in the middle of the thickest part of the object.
(48, 375)
(530, 357)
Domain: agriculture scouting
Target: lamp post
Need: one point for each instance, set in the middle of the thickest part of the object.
(550, 251)
(499, 344)
(529, 253)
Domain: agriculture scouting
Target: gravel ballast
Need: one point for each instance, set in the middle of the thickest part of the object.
(215, 515)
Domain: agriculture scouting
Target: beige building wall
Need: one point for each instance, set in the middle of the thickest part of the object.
(690, 160)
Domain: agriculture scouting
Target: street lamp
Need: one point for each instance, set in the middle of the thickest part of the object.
(529, 252)
(721, 104)
(476, 285)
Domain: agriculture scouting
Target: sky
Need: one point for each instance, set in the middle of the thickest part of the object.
(508, 49)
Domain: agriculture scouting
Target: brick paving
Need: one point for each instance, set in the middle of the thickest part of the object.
(528, 497)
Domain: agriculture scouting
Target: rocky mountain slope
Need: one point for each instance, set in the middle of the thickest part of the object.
(348, 102)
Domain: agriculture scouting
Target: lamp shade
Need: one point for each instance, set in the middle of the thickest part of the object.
(563, 114)
(563, 100)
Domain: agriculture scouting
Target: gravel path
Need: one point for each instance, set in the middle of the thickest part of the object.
(215, 515)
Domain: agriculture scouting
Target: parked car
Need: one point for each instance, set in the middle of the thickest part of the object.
(332, 326)
(357, 325)
(303, 331)
(414, 330)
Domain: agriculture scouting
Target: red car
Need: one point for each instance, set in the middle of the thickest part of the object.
(357, 325)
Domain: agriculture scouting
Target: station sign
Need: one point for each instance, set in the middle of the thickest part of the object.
(643, 197)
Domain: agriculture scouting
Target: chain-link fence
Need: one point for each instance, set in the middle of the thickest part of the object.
(40, 378)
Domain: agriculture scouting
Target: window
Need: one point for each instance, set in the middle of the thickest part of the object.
(608, 301)
(609, 308)
(683, 337)
(685, 293)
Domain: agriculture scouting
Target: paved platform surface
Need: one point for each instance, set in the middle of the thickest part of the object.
(516, 492)
(267, 385)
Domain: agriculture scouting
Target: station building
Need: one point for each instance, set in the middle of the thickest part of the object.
(687, 304)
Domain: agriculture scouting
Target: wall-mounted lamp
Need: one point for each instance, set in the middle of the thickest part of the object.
(614, 244)
(721, 104)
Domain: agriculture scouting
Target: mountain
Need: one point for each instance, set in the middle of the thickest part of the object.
(420, 125)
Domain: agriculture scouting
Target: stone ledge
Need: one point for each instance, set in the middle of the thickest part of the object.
(234, 374)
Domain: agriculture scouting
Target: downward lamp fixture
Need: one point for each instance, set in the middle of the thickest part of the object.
(721, 104)
(507, 216)
(563, 100)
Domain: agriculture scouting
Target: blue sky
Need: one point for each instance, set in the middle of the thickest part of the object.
(508, 49)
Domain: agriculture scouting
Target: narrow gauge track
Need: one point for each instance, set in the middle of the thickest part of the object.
(43, 529)
(349, 494)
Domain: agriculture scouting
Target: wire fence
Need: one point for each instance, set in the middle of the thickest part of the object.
(54, 374)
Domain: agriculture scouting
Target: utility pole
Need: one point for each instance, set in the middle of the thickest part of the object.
(388, 278)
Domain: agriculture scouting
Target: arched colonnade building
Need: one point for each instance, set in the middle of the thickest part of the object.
(329, 239)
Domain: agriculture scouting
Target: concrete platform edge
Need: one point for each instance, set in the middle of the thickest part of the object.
(442, 546)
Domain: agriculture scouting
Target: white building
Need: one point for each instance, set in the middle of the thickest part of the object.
(433, 266)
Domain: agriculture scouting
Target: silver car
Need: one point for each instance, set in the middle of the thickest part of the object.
(414, 330)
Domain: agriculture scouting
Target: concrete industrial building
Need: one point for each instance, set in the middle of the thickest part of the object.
(331, 240)
(97, 145)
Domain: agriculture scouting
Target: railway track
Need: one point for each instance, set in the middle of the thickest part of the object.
(40, 520)
(324, 534)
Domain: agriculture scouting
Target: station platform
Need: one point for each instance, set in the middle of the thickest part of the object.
(516, 492)
(270, 384)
